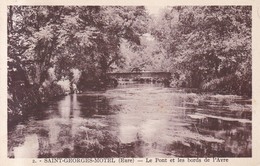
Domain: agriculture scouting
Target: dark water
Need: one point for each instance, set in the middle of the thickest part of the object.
(137, 121)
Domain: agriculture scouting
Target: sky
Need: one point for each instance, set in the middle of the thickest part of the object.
(154, 9)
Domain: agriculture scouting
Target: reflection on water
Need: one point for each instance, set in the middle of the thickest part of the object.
(137, 121)
(29, 148)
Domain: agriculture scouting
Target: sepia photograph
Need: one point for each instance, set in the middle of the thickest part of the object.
(114, 81)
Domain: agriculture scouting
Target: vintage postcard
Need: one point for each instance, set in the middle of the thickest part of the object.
(130, 83)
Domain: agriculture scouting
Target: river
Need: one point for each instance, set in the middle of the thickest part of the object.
(136, 120)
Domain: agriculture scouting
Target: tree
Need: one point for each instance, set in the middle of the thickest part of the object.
(209, 45)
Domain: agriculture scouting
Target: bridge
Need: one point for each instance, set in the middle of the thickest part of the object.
(141, 76)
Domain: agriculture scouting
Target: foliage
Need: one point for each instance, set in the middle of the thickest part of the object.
(210, 45)
(148, 56)
(63, 37)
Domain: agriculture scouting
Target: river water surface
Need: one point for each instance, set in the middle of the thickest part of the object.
(137, 120)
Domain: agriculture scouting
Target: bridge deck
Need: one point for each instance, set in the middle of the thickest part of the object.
(166, 75)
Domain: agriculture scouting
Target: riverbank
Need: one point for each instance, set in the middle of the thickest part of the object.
(22, 98)
(223, 88)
